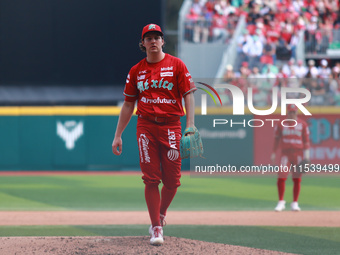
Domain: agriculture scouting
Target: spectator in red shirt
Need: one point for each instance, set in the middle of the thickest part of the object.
(273, 32)
(285, 34)
(219, 27)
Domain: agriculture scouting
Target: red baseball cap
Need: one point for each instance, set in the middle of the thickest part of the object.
(292, 108)
(151, 28)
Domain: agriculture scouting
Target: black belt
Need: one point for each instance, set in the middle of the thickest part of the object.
(157, 119)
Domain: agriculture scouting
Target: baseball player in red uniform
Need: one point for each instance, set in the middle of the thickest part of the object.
(158, 83)
(294, 144)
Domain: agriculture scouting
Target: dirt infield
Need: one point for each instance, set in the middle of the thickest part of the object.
(249, 218)
(140, 244)
(118, 245)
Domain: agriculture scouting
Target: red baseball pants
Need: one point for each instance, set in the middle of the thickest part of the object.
(159, 158)
(159, 154)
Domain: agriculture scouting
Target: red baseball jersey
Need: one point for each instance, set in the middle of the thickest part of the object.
(159, 87)
(292, 137)
(273, 34)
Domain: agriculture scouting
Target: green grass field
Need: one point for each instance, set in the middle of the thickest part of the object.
(118, 192)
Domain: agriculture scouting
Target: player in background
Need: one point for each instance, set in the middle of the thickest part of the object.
(158, 83)
(294, 145)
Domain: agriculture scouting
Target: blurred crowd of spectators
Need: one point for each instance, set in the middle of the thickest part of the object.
(274, 29)
(212, 20)
(272, 33)
(272, 25)
(322, 81)
(266, 50)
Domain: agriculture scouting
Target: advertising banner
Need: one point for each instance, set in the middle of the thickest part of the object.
(324, 139)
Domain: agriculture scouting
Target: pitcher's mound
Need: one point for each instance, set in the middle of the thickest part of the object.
(117, 245)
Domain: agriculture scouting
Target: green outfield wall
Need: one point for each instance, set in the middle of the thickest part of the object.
(64, 138)
(80, 138)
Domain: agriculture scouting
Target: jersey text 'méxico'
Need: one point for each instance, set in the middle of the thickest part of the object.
(292, 137)
(159, 87)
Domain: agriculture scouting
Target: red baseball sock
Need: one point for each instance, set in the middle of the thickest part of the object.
(296, 189)
(153, 202)
(166, 198)
(281, 185)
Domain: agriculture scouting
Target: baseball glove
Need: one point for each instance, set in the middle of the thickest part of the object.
(301, 166)
(191, 144)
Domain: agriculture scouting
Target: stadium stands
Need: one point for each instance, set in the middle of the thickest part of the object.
(267, 47)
